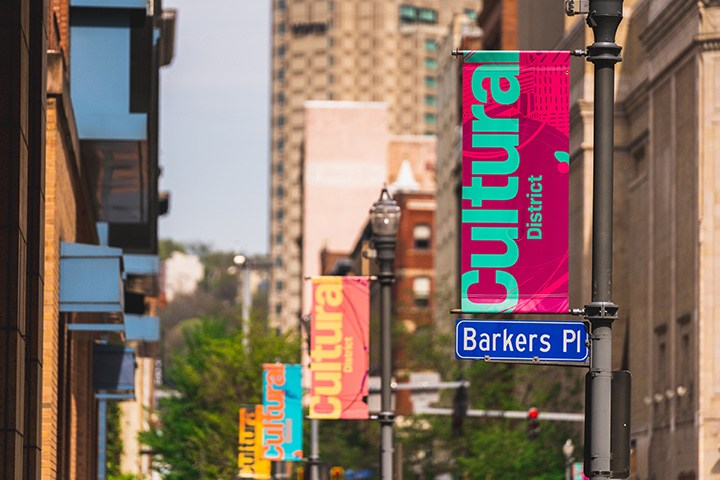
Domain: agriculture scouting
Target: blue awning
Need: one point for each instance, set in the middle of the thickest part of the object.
(110, 3)
(90, 278)
(142, 328)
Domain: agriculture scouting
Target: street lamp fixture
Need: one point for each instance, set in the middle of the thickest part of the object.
(243, 262)
(568, 449)
(385, 221)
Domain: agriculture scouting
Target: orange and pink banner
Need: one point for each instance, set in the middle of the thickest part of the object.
(339, 347)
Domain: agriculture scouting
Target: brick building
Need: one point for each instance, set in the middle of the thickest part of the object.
(72, 159)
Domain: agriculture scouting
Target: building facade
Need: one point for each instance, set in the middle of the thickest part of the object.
(667, 146)
(344, 164)
(348, 50)
(78, 275)
(665, 230)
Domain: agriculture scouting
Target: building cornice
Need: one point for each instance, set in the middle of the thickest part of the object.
(708, 42)
(665, 26)
(637, 99)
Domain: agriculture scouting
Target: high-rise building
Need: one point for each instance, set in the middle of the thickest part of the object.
(352, 50)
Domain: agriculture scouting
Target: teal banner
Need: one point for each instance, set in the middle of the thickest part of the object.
(282, 412)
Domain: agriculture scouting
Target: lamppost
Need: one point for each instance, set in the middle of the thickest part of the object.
(385, 220)
(604, 17)
(244, 263)
(568, 450)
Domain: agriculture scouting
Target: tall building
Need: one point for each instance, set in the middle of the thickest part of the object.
(351, 50)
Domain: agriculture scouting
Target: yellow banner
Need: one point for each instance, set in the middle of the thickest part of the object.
(250, 460)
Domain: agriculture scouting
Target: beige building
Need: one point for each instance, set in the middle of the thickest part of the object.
(345, 148)
(348, 50)
(668, 139)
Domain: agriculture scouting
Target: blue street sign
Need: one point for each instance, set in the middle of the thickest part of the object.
(521, 341)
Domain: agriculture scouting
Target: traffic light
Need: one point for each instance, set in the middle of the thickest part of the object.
(337, 473)
(460, 408)
(533, 426)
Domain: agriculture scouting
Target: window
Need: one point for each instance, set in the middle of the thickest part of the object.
(421, 291)
(278, 308)
(280, 191)
(280, 145)
(430, 63)
(427, 15)
(281, 51)
(421, 236)
(279, 239)
(430, 100)
(408, 14)
(280, 169)
(431, 45)
(281, 27)
(281, 121)
(279, 262)
(279, 285)
(281, 98)
(280, 214)
(430, 118)
(281, 74)
(330, 78)
(471, 14)
(430, 82)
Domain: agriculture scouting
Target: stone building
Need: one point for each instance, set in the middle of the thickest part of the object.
(666, 225)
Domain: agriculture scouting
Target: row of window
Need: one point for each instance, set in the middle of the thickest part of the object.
(412, 14)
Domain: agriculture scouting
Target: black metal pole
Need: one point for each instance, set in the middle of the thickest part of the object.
(314, 458)
(385, 247)
(604, 18)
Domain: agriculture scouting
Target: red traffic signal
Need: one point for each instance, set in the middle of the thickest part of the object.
(533, 426)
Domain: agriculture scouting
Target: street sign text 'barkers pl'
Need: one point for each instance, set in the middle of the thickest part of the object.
(526, 341)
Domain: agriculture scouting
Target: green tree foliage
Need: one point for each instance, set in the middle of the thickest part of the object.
(212, 377)
(497, 448)
(166, 247)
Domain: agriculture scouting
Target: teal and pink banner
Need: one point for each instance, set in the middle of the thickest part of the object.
(515, 172)
(339, 348)
(282, 416)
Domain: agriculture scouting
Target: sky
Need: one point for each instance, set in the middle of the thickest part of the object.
(214, 125)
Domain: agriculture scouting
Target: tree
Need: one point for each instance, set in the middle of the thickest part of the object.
(196, 436)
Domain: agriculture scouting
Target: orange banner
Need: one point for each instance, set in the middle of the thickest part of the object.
(339, 348)
(250, 460)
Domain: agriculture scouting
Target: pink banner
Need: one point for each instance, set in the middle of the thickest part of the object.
(515, 172)
(339, 348)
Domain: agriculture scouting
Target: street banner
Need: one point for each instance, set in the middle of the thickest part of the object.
(282, 412)
(250, 459)
(515, 171)
(339, 347)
